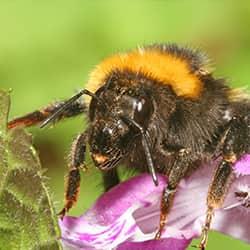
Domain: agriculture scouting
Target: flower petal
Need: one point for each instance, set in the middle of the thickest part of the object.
(125, 195)
(110, 222)
(164, 244)
(242, 167)
(234, 218)
(128, 215)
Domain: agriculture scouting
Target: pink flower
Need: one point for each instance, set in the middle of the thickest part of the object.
(127, 216)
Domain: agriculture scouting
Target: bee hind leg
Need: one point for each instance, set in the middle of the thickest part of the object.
(216, 194)
(236, 142)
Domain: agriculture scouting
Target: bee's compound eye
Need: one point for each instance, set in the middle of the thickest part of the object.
(143, 110)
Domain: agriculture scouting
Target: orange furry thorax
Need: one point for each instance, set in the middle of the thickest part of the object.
(166, 68)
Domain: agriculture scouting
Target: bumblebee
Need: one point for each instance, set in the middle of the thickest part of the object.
(157, 108)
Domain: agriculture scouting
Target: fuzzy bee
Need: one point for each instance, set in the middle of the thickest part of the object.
(158, 109)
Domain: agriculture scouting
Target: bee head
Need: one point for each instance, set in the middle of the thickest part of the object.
(111, 135)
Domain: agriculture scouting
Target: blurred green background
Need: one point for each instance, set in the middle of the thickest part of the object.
(48, 48)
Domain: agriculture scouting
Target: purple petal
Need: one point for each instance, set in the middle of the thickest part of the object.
(234, 218)
(164, 244)
(242, 167)
(123, 196)
(111, 221)
(128, 215)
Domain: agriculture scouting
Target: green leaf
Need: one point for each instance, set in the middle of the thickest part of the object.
(27, 218)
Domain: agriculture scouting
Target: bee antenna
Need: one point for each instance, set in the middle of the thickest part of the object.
(145, 145)
(68, 103)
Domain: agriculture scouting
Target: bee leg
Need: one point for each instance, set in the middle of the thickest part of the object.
(41, 115)
(166, 204)
(234, 145)
(77, 158)
(110, 179)
(178, 171)
(216, 194)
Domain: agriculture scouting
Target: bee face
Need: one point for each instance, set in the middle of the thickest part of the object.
(110, 136)
(106, 141)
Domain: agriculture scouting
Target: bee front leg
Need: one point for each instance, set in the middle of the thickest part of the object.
(39, 116)
(76, 162)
